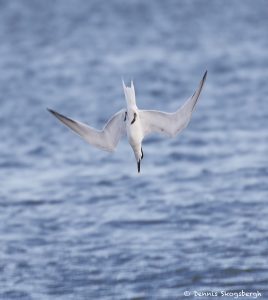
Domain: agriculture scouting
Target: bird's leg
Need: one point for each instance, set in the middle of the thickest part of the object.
(141, 154)
(125, 116)
(134, 119)
(139, 165)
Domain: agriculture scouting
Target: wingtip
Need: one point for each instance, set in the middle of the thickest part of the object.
(50, 110)
(205, 75)
(53, 112)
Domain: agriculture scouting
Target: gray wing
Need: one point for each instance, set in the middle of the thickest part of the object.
(170, 123)
(105, 139)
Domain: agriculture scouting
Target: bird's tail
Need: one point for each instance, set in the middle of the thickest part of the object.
(129, 93)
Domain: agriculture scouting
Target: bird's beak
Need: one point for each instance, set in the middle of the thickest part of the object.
(139, 165)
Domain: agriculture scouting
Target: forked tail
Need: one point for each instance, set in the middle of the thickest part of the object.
(129, 94)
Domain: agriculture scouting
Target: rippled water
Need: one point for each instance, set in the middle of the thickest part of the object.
(78, 223)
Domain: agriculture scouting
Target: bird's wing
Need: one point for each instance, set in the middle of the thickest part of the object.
(105, 139)
(170, 123)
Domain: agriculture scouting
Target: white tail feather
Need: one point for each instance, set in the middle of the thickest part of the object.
(129, 94)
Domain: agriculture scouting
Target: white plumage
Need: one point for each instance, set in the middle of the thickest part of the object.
(135, 123)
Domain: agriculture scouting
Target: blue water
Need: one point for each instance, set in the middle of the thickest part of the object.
(78, 223)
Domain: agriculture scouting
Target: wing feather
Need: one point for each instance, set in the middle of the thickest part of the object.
(170, 123)
(105, 139)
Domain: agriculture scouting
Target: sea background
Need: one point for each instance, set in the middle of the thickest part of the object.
(78, 223)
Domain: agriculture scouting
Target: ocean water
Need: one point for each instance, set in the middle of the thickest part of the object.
(78, 223)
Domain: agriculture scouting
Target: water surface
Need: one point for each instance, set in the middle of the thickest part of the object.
(78, 223)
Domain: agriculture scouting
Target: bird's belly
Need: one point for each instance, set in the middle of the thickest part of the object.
(134, 135)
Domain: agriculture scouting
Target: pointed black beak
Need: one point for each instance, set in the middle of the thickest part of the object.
(139, 165)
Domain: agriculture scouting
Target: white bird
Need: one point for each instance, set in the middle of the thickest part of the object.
(135, 123)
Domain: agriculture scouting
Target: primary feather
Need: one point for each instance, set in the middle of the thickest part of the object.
(170, 123)
(105, 139)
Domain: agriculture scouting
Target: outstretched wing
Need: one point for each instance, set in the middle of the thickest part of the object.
(170, 123)
(105, 139)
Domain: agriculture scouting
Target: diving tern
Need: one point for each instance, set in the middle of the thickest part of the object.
(135, 123)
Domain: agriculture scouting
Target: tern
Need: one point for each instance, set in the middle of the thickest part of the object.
(134, 122)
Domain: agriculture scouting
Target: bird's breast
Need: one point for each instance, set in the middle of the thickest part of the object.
(134, 133)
